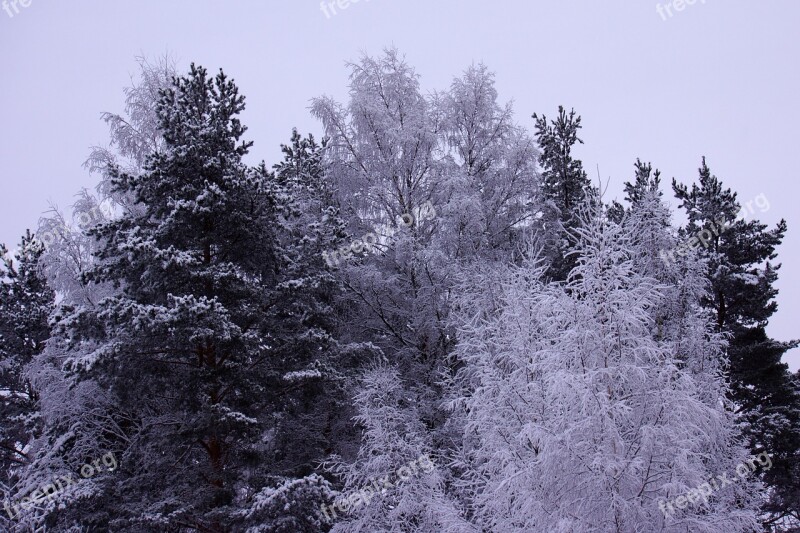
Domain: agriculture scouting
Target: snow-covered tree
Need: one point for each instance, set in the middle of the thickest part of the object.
(209, 346)
(488, 205)
(564, 189)
(79, 416)
(679, 316)
(392, 153)
(577, 417)
(135, 134)
(26, 302)
(316, 415)
(394, 484)
(740, 257)
(383, 163)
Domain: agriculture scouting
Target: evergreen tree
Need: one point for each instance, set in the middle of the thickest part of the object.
(212, 343)
(26, 302)
(310, 224)
(564, 189)
(739, 255)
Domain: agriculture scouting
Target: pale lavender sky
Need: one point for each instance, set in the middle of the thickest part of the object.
(719, 78)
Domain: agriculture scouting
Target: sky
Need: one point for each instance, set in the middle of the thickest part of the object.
(668, 82)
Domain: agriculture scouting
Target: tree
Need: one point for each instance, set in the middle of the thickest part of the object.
(133, 136)
(739, 252)
(26, 302)
(207, 348)
(77, 415)
(576, 412)
(136, 134)
(564, 189)
(394, 484)
(489, 200)
(393, 152)
(739, 255)
(317, 411)
(382, 160)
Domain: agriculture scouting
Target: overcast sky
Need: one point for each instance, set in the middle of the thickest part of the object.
(717, 78)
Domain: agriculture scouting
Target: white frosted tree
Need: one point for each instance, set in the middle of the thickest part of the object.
(382, 159)
(394, 450)
(490, 187)
(393, 151)
(679, 318)
(134, 134)
(578, 417)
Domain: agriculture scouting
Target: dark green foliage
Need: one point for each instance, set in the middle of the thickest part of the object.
(217, 345)
(25, 305)
(739, 255)
(564, 188)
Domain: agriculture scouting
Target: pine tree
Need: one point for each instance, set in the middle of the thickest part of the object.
(317, 413)
(210, 346)
(739, 255)
(26, 302)
(564, 189)
(310, 224)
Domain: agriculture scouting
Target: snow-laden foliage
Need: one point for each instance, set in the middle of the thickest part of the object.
(578, 418)
(394, 450)
(489, 195)
(26, 302)
(500, 352)
(293, 506)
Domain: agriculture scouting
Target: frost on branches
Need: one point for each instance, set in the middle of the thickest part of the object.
(580, 416)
